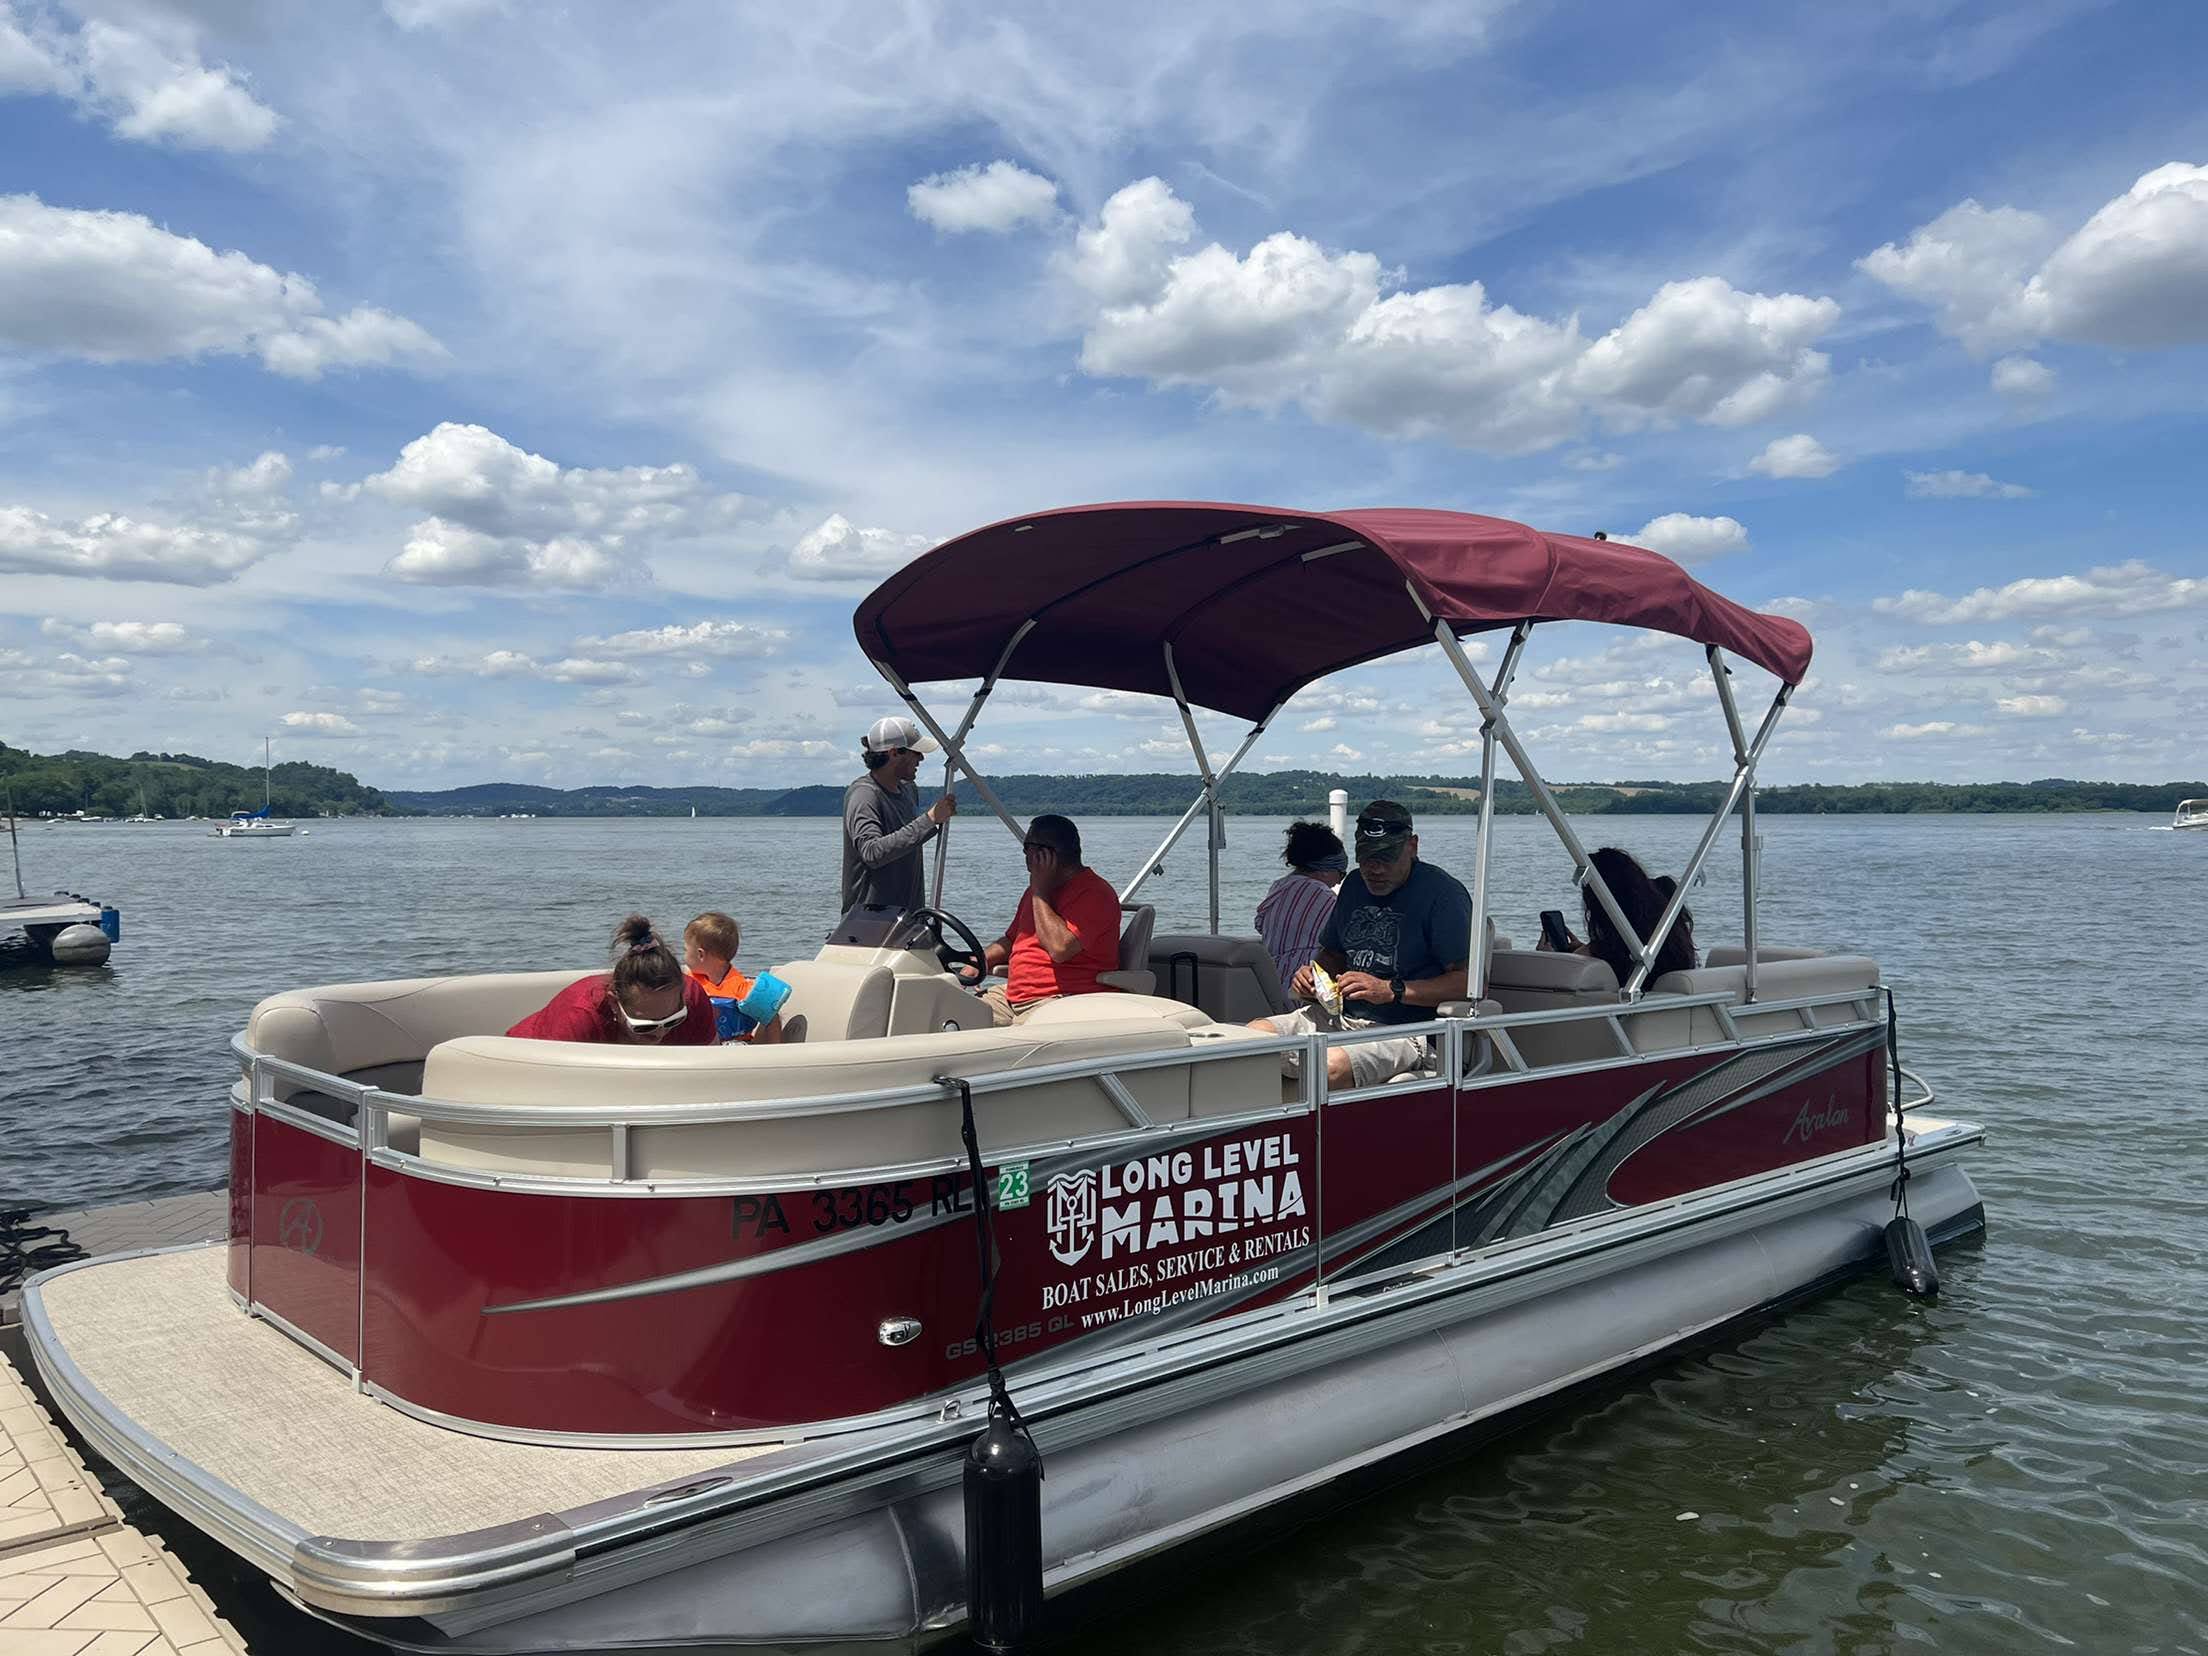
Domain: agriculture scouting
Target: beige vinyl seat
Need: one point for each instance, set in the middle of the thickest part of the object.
(1231, 979)
(1134, 974)
(1536, 980)
(1787, 978)
(1732, 954)
(378, 1034)
(777, 1140)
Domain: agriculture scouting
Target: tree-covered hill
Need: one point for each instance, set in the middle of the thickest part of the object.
(1303, 793)
(176, 785)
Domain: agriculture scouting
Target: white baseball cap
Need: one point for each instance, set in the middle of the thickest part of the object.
(896, 731)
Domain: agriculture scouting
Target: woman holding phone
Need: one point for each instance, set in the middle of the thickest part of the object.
(1642, 897)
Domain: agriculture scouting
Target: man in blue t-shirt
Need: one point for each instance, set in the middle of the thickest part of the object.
(1396, 944)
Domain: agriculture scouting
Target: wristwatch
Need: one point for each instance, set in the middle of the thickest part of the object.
(1395, 986)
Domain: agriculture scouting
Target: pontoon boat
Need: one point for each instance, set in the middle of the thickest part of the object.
(523, 1346)
(2191, 813)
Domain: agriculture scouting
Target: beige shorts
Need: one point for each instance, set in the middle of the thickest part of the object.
(1370, 1062)
(1007, 1012)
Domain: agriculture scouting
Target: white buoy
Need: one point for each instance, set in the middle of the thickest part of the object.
(1337, 813)
(80, 946)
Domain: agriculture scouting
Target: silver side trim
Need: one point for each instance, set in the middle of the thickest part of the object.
(807, 1483)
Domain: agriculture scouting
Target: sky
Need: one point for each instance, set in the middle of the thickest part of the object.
(462, 391)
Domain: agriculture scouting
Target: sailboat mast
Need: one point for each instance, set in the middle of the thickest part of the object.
(14, 846)
(267, 793)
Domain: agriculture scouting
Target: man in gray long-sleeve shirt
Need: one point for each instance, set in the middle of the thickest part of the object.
(883, 825)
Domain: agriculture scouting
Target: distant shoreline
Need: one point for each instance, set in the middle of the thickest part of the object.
(171, 785)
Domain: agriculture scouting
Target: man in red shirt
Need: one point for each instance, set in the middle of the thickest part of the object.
(1065, 932)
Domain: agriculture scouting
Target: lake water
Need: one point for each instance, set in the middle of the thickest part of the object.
(2022, 1465)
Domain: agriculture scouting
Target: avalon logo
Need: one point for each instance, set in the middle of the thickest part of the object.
(1069, 1215)
(299, 1225)
(1810, 1121)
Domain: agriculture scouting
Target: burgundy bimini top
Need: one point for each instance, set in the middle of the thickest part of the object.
(1257, 601)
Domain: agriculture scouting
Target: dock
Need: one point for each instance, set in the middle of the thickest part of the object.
(76, 1578)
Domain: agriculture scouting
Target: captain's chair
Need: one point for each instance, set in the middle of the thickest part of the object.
(835, 1000)
(1134, 974)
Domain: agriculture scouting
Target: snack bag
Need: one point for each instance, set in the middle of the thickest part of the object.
(1325, 990)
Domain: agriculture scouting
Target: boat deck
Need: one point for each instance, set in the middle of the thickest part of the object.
(255, 1411)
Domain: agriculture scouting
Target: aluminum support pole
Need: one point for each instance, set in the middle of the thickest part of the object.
(1172, 838)
(1212, 834)
(1588, 875)
(1476, 981)
(952, 751)
(973, 712)
(1723, 677)
(1744, 773)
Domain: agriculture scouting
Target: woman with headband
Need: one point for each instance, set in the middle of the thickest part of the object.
(1292, 914)
(647, 999)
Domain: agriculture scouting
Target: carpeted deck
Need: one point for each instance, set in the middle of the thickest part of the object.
(161, 1340)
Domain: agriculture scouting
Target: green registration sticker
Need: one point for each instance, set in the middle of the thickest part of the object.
(1012, 1185)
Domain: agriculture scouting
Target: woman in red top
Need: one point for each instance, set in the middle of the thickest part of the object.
(646, 999)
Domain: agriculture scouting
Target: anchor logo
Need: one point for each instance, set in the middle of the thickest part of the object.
(299, 1225)
(1069, 1213)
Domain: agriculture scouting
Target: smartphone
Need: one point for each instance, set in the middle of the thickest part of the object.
(1553, 928)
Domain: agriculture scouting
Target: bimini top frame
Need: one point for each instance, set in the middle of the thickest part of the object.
(1236, 608)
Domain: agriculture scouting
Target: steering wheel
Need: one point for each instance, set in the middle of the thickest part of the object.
(936, 921)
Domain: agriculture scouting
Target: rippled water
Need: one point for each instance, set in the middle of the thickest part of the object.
(2022, 1465)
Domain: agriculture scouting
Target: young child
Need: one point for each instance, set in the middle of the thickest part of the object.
(747, 1009)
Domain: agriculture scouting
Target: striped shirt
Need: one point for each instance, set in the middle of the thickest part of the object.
(1289, 919)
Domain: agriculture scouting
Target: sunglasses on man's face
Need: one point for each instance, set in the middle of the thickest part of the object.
(649, 1026)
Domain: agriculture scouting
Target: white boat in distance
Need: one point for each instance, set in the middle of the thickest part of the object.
(521, 1345)
(2191, 813)
(255, 824)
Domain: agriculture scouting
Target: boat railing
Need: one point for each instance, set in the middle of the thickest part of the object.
(340, 1169)
(1467, 1050)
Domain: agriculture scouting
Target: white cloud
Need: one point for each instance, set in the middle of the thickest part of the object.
(2032, 707)
(1960, 485)
(67, 674)
(1292, 323)
(998, 197)
(1326, 721)
(836, 549)
(502, 516)
(439, 14)
(1703, 350)
(266, 475)
(1800, 455)
(319, 724)
(326, 451)
(146, 79)
(2129, 588)
(1690, 539)
(1595, 462)
(1931, 727)
(2132, 276)
(2022, 376)
(1124, 256)
(109, 546)
(157, 91)
(115, 287)
(1622, 721)
(705, 638)
(499, 664)
(1342, 750)
(781, 747)
(126, 637)
(1971, 656)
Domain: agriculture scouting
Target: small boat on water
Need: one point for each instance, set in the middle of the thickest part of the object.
(526, 1346)
(256, 824)
(2191, 813)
